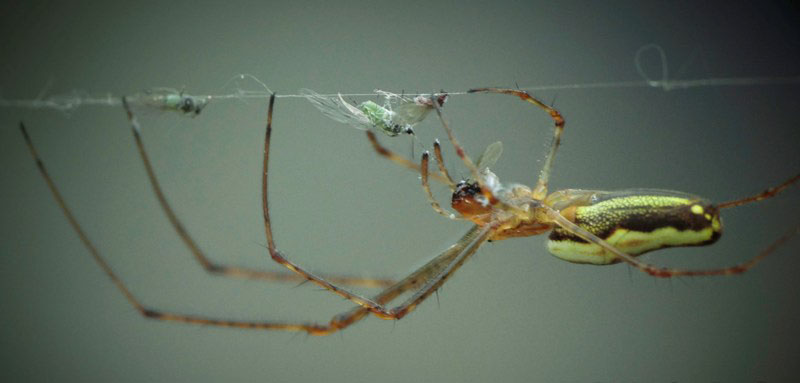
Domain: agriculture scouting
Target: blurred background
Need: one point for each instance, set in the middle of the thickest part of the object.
(513, 313)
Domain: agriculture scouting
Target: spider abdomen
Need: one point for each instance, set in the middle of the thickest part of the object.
(635, 222)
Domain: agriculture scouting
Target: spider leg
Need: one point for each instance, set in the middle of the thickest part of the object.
(426, 187)
(433, 274)
(437, 151)
(433, 269)
(424, 276)
(540, 191)
(769, 193)
(481, 234)
(459, 149)
(666, 272)
(276, 255)
(400, 160)
(138, 305)
(199, 255)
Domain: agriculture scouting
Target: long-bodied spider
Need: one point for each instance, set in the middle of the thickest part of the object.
(586, 226)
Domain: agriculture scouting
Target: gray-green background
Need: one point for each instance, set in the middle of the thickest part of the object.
(513, 313)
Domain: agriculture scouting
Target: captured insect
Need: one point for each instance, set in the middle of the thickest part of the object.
(585, 226)
(170, 99)
(398, 114)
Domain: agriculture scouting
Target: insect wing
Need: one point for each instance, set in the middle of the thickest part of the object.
(407, 111)
(490, 155)
(337, 109)
(411, 113)
(393, 98)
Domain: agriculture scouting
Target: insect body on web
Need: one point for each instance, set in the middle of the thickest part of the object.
(169, 100)
(398, 114)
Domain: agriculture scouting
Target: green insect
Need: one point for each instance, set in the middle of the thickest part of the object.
(397, 115)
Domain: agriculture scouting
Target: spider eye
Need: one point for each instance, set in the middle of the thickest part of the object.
(465, 189)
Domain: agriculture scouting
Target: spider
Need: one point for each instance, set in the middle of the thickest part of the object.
(586, 226)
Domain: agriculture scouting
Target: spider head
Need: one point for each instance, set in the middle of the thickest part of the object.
(513, 208)
(470, 201)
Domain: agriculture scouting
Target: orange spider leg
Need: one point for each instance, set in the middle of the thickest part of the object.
(141, 308)
(437, 151)
(540, 191)
(430, 276)
(768, 193)
(426, 187)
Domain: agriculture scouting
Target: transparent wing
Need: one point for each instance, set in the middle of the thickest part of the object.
(490, 155)
(407, 111)
(410, 113)
(337, 109)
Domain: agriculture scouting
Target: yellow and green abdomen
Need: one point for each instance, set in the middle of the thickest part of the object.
(635, 222)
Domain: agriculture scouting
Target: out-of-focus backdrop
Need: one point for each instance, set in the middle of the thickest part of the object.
(514, 313)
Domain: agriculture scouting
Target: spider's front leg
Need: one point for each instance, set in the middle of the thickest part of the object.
(405, 162)
(369, 304)
(433, 275)
(540, 191)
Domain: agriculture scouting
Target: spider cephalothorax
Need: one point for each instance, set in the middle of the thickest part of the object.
(512, 205)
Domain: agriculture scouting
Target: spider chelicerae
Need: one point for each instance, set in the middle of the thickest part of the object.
(585, 226)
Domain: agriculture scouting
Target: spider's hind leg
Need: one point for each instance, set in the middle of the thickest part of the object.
(768, 193)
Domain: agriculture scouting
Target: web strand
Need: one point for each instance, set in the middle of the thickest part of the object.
(67, 103)
(75, 100)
